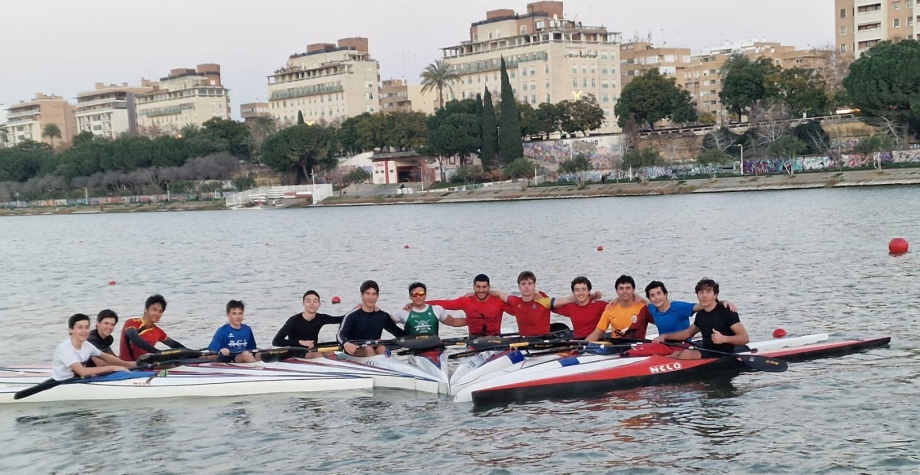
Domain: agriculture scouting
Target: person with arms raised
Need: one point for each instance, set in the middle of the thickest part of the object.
(668, 316)
(366, 323)
(531, 309)
(581, 307)
(483, 311)
(302, 329)
(139, 335)
(234, 342)
(422, 318)
(71, 356)
(721, 328)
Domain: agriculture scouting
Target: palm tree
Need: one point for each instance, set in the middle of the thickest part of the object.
(51, 131)
(438, 75)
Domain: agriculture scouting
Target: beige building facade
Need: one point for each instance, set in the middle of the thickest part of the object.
(640, 56)
(250, 111)
(27, 119)
(548, 58)
(108, 110)
(185, 97)
(327, 83)
(398, 96)
(861, 24)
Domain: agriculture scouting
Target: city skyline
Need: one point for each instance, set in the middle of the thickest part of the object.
(250, 41)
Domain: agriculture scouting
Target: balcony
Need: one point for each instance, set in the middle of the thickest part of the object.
(305, 91)
(494, 65)
(170, 110)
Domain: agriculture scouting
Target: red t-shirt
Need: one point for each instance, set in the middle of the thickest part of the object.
(584, 319)
(482, 318)
(532, 317)
(153, 335)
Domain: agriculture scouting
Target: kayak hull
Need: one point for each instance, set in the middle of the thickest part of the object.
(567, 377)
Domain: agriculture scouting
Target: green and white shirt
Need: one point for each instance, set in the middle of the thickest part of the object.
(421, 322)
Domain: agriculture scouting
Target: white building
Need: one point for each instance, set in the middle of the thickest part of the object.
(108, 111)
(330, 82)
(185, 97)
(548, 58)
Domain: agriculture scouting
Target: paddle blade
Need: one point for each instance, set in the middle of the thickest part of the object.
(763, 363)
(165, 355)
(420, 342)
(42, 386)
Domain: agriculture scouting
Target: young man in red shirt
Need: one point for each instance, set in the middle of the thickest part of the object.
(483, 311)
(139, 335)
(531, 309)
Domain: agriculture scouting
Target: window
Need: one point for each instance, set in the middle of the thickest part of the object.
(546, 69)
(523, 30)
(547, 98)
(604, 70)
(523, 71)
(910, 3)
(593, 82)
(843, 13)
(574, 69)
(896, 5)
(897, 22)
(575, 83)
(843, 30)
(910, 21)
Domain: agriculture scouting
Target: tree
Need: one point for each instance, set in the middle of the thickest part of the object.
(787, 147)
(510, 146)
(357, 175)
(549, 118)
(406, 130)
(581, 115)
(83, 137)
(302, 148)
(489, 146)
(652, 97)
(577, 167)
(437, 76)
(884, 84)
(530, 126)
(720, 139)
(520, 167)
(745, 83)
(300, 120)
(457, 134)
(51, 132)
(236, 135)
(641, 158)
(468, 174)
(813, 135)
(873, 145)
(803, 91)
(713, 158)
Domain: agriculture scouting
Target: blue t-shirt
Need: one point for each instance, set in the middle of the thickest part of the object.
(236, 340)
(675, 319)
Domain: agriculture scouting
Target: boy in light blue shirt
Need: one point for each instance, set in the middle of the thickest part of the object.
(234, 341)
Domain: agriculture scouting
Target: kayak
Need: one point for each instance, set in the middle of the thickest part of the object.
(170, 385)
(565, 376)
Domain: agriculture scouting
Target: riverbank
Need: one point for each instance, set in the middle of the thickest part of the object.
(517, 191)
(722, 184)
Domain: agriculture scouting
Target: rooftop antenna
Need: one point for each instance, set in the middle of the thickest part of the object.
(404, 65)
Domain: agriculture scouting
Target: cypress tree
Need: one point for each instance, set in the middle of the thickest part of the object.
(300, 118)
(510, 146)
(489, 132)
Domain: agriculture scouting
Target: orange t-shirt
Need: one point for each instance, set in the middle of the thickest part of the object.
(620, 318)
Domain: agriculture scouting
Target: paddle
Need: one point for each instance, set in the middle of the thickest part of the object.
(282, 353)
(758, 362)
(171, 354)
(536, 345)
(51, 383)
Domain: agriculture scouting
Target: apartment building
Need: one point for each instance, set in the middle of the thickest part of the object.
(548, 57)
(250, 111)
(861, 24)
(27, 119)
(329, 82)
(398, 96)
(637, 57)
(108, 110)
(185, 97)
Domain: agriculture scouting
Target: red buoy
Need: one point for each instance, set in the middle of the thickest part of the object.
(111, 282)
(898, 246)
(406, 246)
(336, 299)
(600, 248)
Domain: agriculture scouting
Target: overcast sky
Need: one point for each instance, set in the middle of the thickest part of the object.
(64, 46)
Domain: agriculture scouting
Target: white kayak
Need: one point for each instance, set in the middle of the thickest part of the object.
(155, 386)
(512, 367)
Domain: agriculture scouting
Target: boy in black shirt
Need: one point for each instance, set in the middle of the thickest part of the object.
(721, 328)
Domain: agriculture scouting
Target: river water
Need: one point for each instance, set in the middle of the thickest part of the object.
(810, 261)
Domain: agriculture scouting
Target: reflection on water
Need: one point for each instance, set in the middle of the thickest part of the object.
(809, 261)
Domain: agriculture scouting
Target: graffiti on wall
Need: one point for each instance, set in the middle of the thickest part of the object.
(852, 160)
(604, 152)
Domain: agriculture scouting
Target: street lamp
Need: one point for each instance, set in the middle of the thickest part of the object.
(86, 196)
(167, 191)
(313, 189)
(742, 156)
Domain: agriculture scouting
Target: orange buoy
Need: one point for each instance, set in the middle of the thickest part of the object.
(111, 282)
(600, 248)
(898, 246)
(779, 333)
(336, 299)
(406, 246)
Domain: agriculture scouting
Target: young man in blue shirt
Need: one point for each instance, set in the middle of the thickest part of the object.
(234, 342)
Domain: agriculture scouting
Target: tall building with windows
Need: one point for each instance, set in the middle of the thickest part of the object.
(398, 96)
(549, 58)
(27, 119)
(640, 56)
(860, 24)
(327, 83)
(250, 111)
(108, 110)
(185, 97)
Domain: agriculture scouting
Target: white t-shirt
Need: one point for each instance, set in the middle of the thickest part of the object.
(400, 316)
(65, 355)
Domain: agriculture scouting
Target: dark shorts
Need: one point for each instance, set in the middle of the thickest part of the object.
(227, 359)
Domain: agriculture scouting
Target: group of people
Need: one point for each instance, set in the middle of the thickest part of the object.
(627, 316)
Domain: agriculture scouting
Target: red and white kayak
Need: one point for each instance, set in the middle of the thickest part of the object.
(599, 373)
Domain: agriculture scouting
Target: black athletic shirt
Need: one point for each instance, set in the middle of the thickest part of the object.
(721, 319)
(102, 344)
(298, 328)
(359, 325)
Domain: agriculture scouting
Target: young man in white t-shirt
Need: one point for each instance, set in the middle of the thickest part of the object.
(72, 353)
